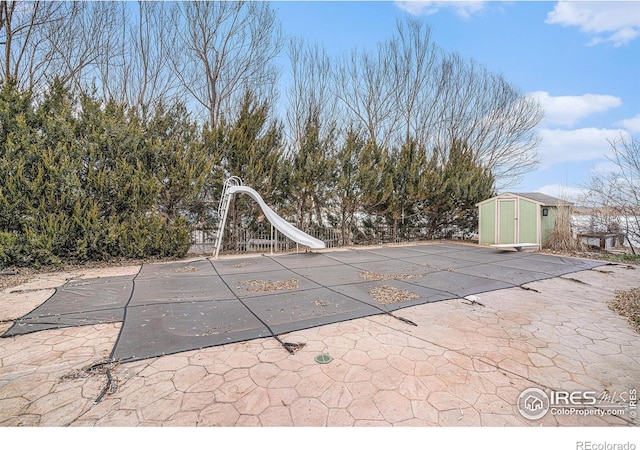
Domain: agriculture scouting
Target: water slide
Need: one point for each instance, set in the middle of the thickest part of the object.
(281, 225)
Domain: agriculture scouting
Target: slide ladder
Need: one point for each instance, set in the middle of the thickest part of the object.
(223, 210)
(234, 185)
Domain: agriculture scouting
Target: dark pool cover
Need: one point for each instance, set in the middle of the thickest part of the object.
(174, 307)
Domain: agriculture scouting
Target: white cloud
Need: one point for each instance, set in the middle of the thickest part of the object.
(464, 9)
(618, 22)
(624, 35)
(585, 144)
(631, 125)
(417, 8)
(567, 110)
(604, 167)
(568, 193)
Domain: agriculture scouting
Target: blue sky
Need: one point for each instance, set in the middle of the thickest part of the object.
(581, 60)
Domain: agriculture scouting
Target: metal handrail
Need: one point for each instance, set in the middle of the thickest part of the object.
(223, 210)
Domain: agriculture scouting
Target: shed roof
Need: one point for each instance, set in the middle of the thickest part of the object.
(544, 199)
(541, 199)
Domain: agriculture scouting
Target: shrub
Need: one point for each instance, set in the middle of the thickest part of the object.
(86, 180)
(9, 248)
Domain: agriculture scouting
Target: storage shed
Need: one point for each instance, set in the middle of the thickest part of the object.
(518, 218)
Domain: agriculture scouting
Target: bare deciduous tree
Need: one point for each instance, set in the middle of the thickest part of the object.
(490, 116)
(310, 92)
(227, 48)
(137, 71)
(366, 85)
(44, 39)
(25, 31)
(619, 189)
(408, 90)
(414, 58)
(312, 121)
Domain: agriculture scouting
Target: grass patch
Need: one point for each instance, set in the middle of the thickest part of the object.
(627, 304)
(620, 258)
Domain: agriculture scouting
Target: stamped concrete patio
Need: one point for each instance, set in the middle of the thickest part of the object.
(465, 364)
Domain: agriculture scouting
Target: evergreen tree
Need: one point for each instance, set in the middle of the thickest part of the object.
(347, 194)
(457, 182)
(374, 179)
(310, 172)
(407, 169)
(179, 160)
(82, 179)
(249, 147)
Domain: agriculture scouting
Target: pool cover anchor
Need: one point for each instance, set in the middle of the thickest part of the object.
(98, 368)
(472, 300)
(527, 288)
(402, 319)
(110, 388)
(291, 347)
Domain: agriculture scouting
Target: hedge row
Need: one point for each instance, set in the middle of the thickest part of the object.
(84, 180)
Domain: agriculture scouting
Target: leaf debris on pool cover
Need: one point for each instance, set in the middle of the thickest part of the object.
(186, 269)
(268, 286)
(373, 276)
(241, 265)
(388, 295)
(446, 269)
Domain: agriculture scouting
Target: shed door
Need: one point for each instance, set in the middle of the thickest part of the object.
(528, 222)
(507, 217)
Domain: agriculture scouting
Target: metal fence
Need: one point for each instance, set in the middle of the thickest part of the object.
(267, 239)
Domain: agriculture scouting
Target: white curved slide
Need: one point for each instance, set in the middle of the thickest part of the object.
(282, 225)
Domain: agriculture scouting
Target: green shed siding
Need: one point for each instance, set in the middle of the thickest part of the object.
(528, 222)
(512, 218)
(488, 222)
(548, 223)
(507, 221)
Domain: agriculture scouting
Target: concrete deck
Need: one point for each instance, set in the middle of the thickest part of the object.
(464, 365)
